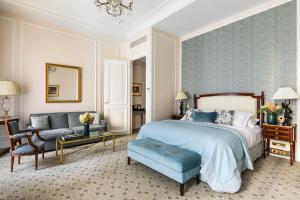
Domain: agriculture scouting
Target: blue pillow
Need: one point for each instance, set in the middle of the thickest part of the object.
(204, 116)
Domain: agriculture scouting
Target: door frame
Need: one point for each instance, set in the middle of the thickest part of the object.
(148, 88)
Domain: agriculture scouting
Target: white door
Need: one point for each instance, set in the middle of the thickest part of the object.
(116, 95)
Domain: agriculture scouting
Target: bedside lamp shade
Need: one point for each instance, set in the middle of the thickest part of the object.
(285, 93)
(181, 96)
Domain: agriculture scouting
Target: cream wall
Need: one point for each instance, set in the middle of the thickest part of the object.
(27, 46)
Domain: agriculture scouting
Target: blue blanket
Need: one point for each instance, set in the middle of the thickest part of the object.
(224, 151)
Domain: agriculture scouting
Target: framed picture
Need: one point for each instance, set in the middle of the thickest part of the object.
(53, 90)
(137, 89)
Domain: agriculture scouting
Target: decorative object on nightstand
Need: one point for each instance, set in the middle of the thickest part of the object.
(177, 116)
(286, 94)
(181, 96)
(272, 111)
(7, 88)
(279, 133)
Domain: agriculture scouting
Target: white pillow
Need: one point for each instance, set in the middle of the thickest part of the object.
(241, 119)
(96, 118)
(252, 122)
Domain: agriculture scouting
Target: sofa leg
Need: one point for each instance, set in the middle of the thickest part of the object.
(181, 189)
(198, 179)
(128, 160)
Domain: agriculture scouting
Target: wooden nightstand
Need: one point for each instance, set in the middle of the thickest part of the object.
(177, 116)
(282, 133)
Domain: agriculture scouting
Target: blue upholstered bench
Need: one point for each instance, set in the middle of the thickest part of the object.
(178, 164)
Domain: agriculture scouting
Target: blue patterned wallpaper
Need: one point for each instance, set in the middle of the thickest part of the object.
(252, 55)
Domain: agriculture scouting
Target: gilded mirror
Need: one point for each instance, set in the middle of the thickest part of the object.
(63, 83)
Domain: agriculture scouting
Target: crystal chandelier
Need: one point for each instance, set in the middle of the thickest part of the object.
(115, 8)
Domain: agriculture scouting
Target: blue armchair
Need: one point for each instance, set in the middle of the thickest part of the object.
(17, 148)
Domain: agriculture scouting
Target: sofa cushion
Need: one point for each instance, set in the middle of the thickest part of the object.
(176, 158)
(54, 133)
(56, 120)
(40, 122)
(93, 127)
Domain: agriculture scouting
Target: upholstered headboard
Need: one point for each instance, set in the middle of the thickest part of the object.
(245, 102)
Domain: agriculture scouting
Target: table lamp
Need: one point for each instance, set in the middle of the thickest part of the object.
(7, 88)
(286, 94)
(181, 96)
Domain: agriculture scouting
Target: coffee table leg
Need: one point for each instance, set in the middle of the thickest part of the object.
(56, 148)
(114, 143)
(61, 153)
(103, 140)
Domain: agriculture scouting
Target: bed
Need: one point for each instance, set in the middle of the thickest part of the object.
(225, 150)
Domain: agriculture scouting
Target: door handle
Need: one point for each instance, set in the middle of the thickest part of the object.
(148, 89)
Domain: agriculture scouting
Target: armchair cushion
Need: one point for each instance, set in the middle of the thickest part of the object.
(25, 149)
(14, 127)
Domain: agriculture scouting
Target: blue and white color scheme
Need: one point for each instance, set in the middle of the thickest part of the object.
(224, 151)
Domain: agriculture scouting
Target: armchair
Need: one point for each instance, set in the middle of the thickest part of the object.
(17, 148)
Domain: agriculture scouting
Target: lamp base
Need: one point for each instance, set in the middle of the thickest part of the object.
(5, 104)
(287, 114)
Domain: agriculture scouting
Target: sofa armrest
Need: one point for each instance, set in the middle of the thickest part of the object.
(104, 124)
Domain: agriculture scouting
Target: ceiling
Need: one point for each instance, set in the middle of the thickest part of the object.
(201, 14)
(177, 17)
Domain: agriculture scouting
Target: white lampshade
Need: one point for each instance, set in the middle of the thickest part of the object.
(181, 96)
(8, 88)
(285, 93)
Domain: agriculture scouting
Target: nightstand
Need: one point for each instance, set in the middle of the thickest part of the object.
(282, 133)
(177, 116)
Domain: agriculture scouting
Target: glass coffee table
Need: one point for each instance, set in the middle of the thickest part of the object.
(98, 136)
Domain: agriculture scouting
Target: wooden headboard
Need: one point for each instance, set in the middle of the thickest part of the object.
(244, 102)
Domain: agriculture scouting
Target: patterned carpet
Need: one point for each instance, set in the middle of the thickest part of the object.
(95, 172)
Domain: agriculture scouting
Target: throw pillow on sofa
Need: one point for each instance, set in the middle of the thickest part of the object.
(40, 122)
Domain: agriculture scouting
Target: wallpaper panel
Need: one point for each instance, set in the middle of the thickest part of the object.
(252, 55)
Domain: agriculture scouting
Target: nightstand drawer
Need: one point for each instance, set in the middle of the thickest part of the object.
(281, 131)
(278, 132)
(277, 136)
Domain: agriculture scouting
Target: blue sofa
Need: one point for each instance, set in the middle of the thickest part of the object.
(64, 123)
(178, 164)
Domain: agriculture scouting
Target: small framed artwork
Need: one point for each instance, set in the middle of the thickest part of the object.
(53, 90)
(137, 89)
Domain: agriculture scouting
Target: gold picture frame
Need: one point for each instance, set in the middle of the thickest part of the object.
(49, 69)
(137, 89)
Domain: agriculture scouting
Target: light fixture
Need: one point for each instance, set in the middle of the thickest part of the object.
(286, 94)
(181, 96)
(115, 8)
(7, 88)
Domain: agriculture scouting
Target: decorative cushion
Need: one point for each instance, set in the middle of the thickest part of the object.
(241, 119)
(27, 148)
(225, 117)
(40, 122)
(204, 116)
(96, 118)
(188, 115)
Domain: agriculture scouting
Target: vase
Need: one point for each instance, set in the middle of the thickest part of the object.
(86, 129)
(272, 118)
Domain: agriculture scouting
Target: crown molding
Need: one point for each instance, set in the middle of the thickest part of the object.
(235, 18)
(165, 9)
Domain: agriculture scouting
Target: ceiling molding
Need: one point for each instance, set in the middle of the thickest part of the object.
(164, 10)
(235, 18)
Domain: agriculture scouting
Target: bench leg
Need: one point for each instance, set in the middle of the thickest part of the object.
(198, 179)
(181, 189)
(128, 160)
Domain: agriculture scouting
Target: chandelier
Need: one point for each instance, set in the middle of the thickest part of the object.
(115, 8)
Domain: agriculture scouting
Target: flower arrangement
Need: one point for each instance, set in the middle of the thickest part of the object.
(271, 108)
(86, 118)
